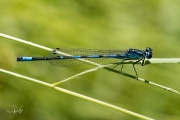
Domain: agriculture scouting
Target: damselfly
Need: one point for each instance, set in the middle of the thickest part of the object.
(73, 59)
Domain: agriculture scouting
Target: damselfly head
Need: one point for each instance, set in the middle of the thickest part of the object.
(148, 53)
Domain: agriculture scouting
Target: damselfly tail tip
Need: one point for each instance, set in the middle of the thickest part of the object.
(18, 58)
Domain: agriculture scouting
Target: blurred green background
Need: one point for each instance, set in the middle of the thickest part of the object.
(102, 24)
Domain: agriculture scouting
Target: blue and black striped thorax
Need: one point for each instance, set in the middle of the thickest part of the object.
(137, 54)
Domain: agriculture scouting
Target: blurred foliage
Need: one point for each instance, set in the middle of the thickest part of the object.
(103, 24)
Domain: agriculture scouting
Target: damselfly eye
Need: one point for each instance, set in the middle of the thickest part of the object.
(148, 49)
(148, 53)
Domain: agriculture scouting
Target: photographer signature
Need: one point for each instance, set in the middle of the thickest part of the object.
(16, 110)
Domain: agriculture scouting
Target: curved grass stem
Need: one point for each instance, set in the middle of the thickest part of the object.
(75, 94)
